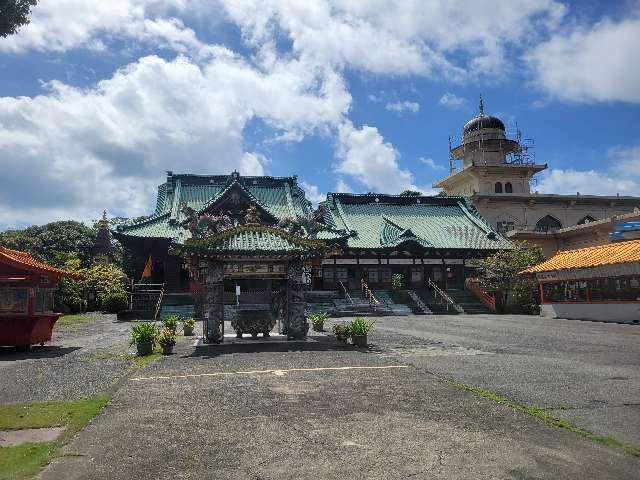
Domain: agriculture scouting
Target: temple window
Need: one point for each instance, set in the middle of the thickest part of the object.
(505, 226)
(508, 188)
(587, 219)
(372, 275)
(498, 187)
(548, 224)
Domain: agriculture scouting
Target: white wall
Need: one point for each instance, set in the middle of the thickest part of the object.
(608, 312)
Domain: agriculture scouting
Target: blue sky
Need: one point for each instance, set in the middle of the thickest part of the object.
(98, 99)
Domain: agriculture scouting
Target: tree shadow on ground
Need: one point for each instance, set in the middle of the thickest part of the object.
(211, 350)
(9, 354)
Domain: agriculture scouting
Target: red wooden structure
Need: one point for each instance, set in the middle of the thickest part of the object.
(26, 298)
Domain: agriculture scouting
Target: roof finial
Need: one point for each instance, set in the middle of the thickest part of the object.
(104, 216)
(481, 106)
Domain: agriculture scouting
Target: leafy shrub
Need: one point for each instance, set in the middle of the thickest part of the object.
(360, 326)
(318, 319)
(166, 337)
(397, 281)
(114, 301)
(104, 279)
(143, 332)
(170, 322)
(342, 330)
(188, 322)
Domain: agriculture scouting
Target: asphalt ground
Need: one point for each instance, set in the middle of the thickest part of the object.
(320, 410)
(585, 372)
(81, 360)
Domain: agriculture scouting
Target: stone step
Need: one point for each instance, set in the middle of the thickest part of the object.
(418, 301)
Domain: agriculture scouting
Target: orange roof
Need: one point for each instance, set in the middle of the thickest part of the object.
(24, 260)
(609, 254)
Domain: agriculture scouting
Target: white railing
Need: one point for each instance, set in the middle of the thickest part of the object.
(346, 292)
(159, 303)
(368, 294)
(444, 298)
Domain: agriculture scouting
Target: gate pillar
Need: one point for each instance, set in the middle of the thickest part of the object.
(295, 321)
(214, 308)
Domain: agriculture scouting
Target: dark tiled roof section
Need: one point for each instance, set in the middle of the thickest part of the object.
(389, 220)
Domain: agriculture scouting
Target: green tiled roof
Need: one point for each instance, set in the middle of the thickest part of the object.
(386, 221)
(279, 196)
(253, 239)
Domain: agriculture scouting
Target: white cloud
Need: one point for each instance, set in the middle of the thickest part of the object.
(587, 182)
(313, 192)
(622, 177)
(451, 100)
(626, 160)
(414, 37)
(404, 106)
(252, 164)
(107, 146)
(431, 164)
(595, 64)
(61, 25)
(342, 187)
(373, 162)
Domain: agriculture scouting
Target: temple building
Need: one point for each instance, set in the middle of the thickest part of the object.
(420, 237)
(594, 283)
(276, 198)
(102, 250)
(257, 244)
(496, 174)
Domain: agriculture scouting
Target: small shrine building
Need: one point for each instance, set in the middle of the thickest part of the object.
(26, 298)
(594, 283)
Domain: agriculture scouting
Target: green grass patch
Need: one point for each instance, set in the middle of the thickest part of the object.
(73, 415)
(137, 361)
(147, 359)
(74, 320)
(541, 414)
(25, 461)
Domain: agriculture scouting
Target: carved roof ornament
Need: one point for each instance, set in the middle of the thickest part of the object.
(203, 226)
(252, 217)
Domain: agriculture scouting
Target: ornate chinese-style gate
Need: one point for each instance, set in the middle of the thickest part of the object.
(251, 251)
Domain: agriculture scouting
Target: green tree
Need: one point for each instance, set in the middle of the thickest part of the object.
(52, 242)
(70, 294)
(410, 193)
(14, 14)
(500, 273)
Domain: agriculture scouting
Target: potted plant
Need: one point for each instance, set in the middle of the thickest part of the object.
(171, 322)
(318, 319)
(187, 326)
(143, 336)
(167, 339)
(342, 331)
(359, 329)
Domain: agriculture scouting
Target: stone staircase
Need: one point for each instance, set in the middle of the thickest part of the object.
(434, 305)
(183, 311)
(396, 308)
(468, 301)
(418, 301)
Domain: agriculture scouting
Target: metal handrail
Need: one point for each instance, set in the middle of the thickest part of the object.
(346, 293)
(444, 298)
(159, 303)
(488, 299)
(366, 291)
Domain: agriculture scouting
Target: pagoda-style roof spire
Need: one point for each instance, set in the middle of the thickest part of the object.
(481, 107)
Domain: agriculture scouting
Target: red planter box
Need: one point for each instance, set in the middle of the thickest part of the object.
(24, 331)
